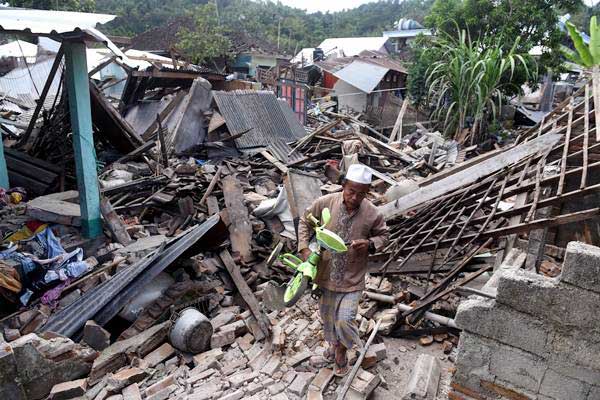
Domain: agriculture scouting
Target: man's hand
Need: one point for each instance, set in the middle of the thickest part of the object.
(304, 253)
(360, 244)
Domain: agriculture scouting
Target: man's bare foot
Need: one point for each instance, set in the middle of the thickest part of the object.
(341, 367)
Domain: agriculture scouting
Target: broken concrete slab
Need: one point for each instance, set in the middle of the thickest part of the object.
(424, 379)
(54, 211)
(19, 379)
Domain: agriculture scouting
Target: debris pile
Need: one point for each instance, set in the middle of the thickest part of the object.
(199, 185)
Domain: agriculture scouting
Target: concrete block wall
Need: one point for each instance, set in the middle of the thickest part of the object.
(540, 337)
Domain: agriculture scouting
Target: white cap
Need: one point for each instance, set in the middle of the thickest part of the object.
(359, 173)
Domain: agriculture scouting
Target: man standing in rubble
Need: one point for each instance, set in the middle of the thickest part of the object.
(341, 276)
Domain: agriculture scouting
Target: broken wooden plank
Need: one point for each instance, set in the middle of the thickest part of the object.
(245, 292)
(280, 166)
(213, 205)
(240, 229)
(397, 131)
(596, 90)
(468, 176)
(115, 225)
(211, 185)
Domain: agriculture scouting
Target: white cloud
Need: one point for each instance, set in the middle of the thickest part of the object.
(324, 5)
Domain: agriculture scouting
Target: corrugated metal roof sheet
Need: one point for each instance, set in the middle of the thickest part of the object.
(44, 22)
(30, 81)
(292, 119)
(260, 113)
(362, 75)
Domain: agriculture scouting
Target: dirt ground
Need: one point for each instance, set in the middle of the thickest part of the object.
(397, 368)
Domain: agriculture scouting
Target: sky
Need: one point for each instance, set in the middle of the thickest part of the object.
(325, 5)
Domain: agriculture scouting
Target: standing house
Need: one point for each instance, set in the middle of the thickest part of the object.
(366, 83)
(252, 53)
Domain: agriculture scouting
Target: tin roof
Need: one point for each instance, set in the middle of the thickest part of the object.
(44, 22)
(364, 76)
(262, 115)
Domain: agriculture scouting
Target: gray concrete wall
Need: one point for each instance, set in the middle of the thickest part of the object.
(540, 337)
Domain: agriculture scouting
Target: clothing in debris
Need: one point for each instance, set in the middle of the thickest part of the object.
(338, 312)
(43, 263)
(344, 272)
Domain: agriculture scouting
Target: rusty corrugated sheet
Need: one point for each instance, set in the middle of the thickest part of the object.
(260, 113)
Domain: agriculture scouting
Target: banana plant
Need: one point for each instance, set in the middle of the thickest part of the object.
(585, 55)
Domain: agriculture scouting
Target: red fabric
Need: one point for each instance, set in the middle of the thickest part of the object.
(33, 225)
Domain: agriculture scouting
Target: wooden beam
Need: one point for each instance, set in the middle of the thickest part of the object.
(397, 131)
(40, 102)
(280, 166)
(467, 176)
(240, 229)
(596, 90)
(245, 292)
(166, 74)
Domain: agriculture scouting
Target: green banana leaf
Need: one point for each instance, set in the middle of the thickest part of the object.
(582, 49)
(595, 41)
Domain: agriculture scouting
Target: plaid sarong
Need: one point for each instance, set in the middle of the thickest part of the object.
(338, 313)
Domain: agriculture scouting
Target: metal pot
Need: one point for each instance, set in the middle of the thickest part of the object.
(191, 331)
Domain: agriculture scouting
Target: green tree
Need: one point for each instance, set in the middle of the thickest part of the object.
(208, 41)
(466, 81)
(535, 22)
(62, 5)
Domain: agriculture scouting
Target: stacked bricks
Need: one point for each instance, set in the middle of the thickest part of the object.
(540, 337)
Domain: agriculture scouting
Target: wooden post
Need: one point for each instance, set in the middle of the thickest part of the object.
(83, 139)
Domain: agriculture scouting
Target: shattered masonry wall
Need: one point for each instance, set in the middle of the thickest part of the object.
(540, 338)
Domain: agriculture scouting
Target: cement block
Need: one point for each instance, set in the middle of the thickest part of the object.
(558, 386)
(576, 347)
(473, 360)
(424, 380)
(521, 369)
(561, 304)
(582, 266)
(594, 393)
(492, 320)
(586, 375)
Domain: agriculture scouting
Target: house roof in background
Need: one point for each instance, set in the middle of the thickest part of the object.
(352, 46)
(362, 75)
(165, 37)
(377, 58)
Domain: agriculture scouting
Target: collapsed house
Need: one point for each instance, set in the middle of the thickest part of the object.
(195, 187)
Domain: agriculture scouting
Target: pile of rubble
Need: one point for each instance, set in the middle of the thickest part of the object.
(199, 185)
